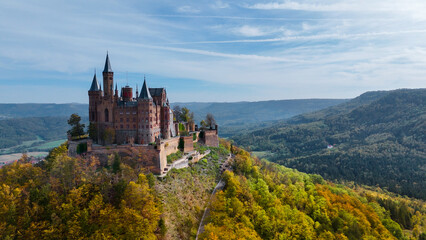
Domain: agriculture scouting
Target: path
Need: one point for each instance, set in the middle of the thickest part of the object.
(220, 185)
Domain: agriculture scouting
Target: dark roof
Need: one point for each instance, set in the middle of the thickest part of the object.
(107, 67)
(156, 91)
(95, 85)
(144, 92)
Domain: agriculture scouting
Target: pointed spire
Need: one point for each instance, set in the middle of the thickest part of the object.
(95, 85)
(137, 91)
(145, 91)
(116, 89)
(107, 67)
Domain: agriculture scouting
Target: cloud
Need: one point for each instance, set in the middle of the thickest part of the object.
(187, 9)
(219, 5)
(409, 8)
(249, 31)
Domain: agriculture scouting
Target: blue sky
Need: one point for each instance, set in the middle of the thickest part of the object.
(212, 50)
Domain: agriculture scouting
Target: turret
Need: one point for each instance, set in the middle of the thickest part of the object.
(108, 75)
(145, 95)
(127, 93)
(95, 94)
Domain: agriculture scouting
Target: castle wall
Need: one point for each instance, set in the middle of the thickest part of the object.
(188, 144)
(145, 157)
(171, 145)
(210, 138)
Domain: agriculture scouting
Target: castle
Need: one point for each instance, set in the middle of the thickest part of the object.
(140, 119)
(140, 128)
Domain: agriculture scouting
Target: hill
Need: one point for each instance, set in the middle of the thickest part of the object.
(23, 110)
(26, 127)
(85, 198)
(377, 138)
(241, 113)
(33, 133)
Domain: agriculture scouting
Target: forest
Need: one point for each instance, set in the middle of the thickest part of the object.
(88, 198)
(377, 139)
(262, 200)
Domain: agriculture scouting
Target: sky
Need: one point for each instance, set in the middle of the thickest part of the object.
(211, 51)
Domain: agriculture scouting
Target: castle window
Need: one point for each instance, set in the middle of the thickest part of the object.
(127, 119)
(106, 115)
(134, 126)
(134, 113)
(121, 126)
(127, 126)
(121, 113)
(121, 119)
(127, 112)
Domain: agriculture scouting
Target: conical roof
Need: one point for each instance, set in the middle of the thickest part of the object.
(145, 91)
(107, 67)
(95, 85)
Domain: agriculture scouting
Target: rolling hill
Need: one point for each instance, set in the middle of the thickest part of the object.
(27, 126)
(378, 138)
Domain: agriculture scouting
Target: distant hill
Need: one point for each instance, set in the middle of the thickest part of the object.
(378, 138)
(240, 113)
(26, 126)
(21, 110)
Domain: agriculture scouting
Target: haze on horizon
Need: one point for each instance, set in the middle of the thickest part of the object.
(209, 51)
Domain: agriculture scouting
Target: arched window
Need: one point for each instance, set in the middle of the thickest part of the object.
(106, 115)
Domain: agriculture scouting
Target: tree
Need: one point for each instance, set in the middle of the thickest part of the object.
(93, 131)
(77, 129)
(177, 112)
(210, 121)
(109, 135)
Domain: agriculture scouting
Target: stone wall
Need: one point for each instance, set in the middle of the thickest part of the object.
(210, 138)
(144, 157)
(188, 144)
(171, 145)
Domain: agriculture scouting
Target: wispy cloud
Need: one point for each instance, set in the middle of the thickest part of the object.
(281, 49)
(250, 32)
(219, 5)
(187, 9)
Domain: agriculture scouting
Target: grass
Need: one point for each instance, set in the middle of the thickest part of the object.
(49, 145)
(185, 193)
(261, 154)
(174, 156)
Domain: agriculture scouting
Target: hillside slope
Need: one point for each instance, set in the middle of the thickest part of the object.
(262, 200)
(376, 141)
(115, 198)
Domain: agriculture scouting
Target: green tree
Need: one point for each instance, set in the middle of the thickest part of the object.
(77, 129)
(93, 131)
(109, 136)
(116, 164)
(210, 121)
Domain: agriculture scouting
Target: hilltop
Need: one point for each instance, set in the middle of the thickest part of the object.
(377, 138)
(84, 198)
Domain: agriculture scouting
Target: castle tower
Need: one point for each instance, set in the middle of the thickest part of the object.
(95, 94)
(145, 108)
(108, 75)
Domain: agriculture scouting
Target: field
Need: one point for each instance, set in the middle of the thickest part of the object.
(16, 156)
